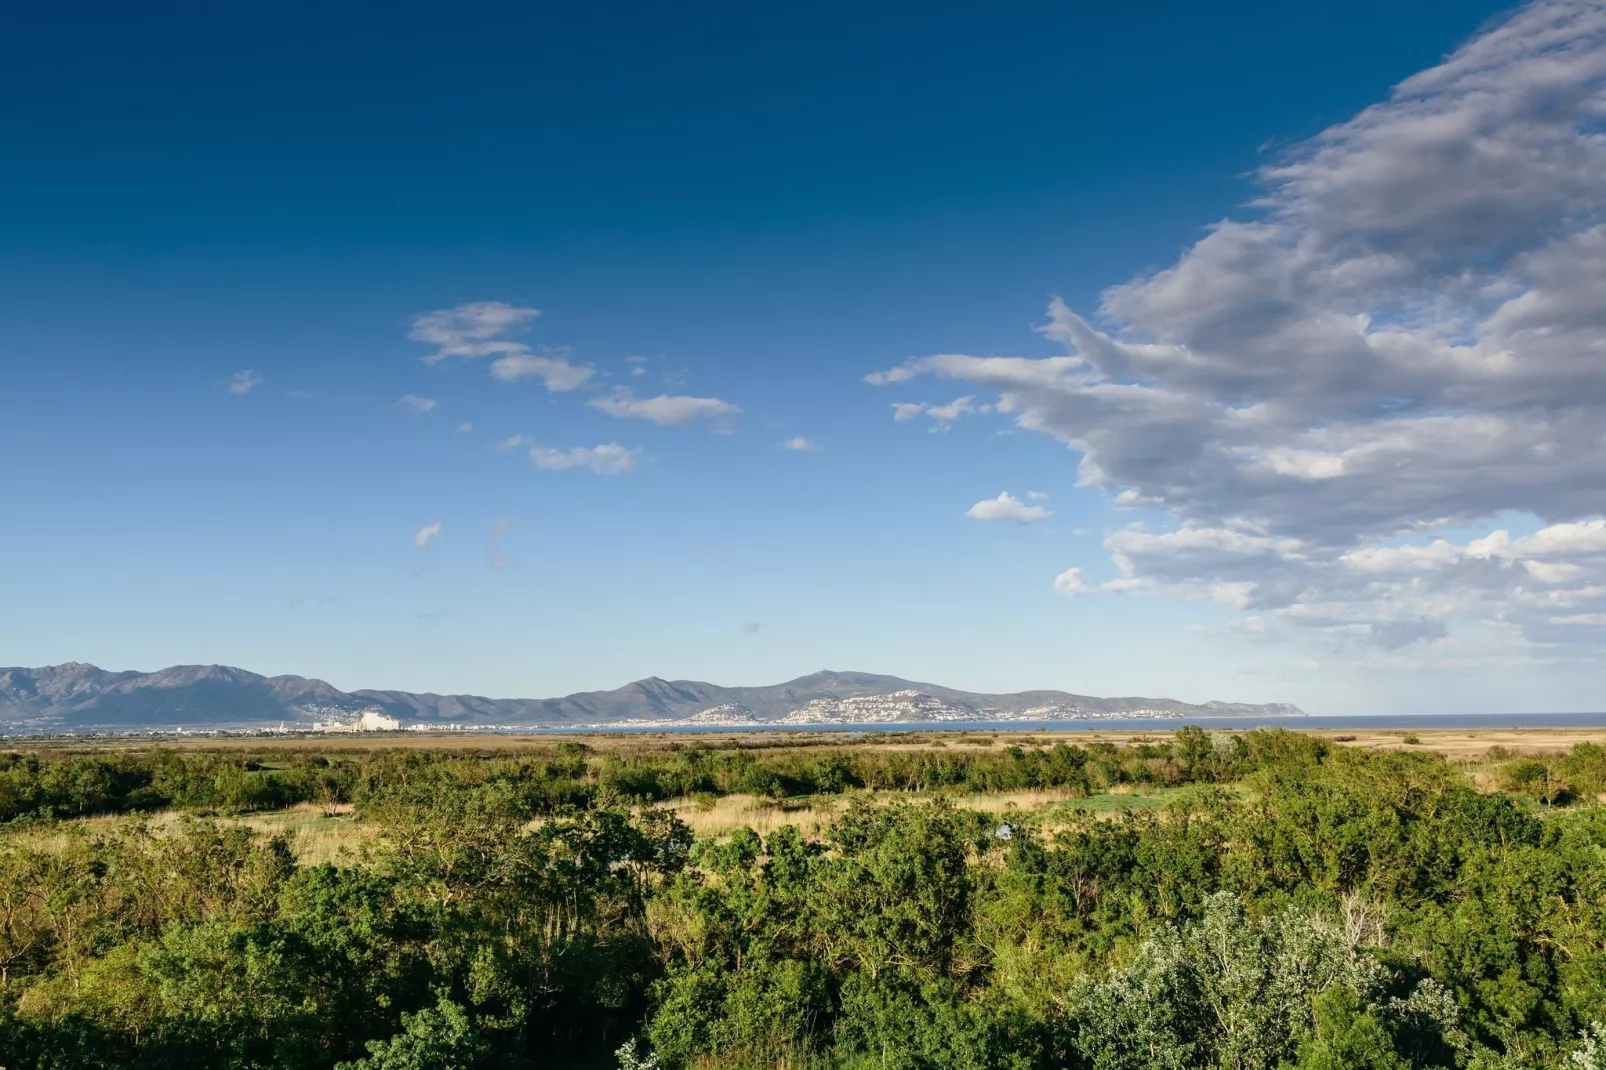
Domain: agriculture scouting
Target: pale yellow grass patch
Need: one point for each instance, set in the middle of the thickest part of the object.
(730, 812)
(317, 833)
(763, 816)
(1011, 801)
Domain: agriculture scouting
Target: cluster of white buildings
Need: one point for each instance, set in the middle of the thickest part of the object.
(370, 720)
(906, 705)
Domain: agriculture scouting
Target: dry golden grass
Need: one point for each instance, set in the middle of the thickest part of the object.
(763, 816)
(316, 833)
(1457, 744)
(1468, 745)
(720, 816)
(1011, 801)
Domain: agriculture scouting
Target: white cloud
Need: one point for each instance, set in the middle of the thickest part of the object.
(608, 459)
(1402, 337)
(1007, 507)
(1070, 582)
(894, 375)
(663, 409)
(942, 415)
(414, 404)
(464, 428)
(470, 329)
(243, 382)
(478, 329)
(637, 365)
(426, 535)
(1037, 495)
(555, 373)
(800, 445)
(512, 442)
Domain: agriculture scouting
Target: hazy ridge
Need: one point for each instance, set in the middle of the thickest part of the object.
(75, 695)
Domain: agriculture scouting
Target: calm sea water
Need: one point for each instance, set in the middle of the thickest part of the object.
(1164, 724)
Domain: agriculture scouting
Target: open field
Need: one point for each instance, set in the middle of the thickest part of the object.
(1455, 744)
(317, 834)
(334, 833)
(896, 767)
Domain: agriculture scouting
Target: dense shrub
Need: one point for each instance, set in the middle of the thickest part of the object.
(1303, 907)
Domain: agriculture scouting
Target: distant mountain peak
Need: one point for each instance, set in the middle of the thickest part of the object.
(77, 695)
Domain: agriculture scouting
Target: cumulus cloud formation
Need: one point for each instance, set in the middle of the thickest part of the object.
(1007, 507)
(243, 382)
(1070, 582)
(1402, 336)
(414, 404)
(426, 535)
(479, 328)
(608, 459)
(663, 409)
(800, 445)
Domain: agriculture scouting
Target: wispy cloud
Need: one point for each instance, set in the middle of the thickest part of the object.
(414, 404)
(555, 373)
(800, 445)
(243, 382)
(943, 416)
(479, 329)
(608, 459)
(471, 329)
(1402, 339)
(493, 544)
(426, 535)
(901, 374)
(1007, 507)
(464, 428)
(664, 409)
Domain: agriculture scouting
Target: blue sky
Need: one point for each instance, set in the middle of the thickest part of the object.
(761, 207)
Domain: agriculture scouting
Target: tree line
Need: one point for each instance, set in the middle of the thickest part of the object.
(67, 783)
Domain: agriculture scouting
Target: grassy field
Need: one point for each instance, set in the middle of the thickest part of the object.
(319, 833)
(715, 817)
(333, 833)
(1455, 744)
(316, 833)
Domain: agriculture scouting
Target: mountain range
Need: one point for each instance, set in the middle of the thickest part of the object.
(78, 697)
